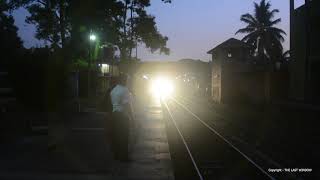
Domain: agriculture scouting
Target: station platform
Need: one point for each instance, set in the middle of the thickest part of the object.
(86, 152)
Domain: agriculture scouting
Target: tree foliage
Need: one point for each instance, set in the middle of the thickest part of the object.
(145, 30)
(125, 24)
(49, 17)
(10, 44)
(261, 31)
(66, 23)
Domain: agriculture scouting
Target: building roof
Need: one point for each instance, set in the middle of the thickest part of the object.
(230, 43)
(314, 7)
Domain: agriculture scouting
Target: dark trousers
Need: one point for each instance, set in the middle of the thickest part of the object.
(120, 135)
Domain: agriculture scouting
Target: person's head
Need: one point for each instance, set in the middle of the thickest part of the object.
(113, 81)
(122, 79)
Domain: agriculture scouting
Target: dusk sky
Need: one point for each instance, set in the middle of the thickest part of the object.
(193, 27)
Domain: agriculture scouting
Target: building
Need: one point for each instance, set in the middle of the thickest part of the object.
(237, 78)
(305, 64)
(228, 58)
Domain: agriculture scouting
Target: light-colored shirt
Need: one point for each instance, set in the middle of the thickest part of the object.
(120, 97)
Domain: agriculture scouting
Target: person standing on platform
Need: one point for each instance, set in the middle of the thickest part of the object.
(121, 114)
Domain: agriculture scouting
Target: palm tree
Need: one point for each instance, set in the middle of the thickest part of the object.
(286, 56)
(283, 61)
(260, 31)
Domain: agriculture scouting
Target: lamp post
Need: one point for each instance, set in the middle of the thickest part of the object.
(92, 39)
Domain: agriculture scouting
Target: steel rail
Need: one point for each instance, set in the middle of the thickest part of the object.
(225, 140)
(184, 142)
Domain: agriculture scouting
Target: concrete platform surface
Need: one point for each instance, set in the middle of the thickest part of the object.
(86, 154)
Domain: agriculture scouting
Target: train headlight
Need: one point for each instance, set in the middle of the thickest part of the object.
(162, 87)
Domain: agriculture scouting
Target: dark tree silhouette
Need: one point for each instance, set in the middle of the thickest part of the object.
(10, 43)
(261, 31)
(285, 57)
(49, 17)
(136, 26)
(122, 23)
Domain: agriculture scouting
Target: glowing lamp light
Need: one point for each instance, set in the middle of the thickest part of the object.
(92, 37)
(105, 68)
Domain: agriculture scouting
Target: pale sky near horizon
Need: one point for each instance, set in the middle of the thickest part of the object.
(192, 28)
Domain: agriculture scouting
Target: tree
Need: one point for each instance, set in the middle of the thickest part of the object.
(117, 23)
(123, 23)
(261, 31)
(10, 43)
(285, 57)
(136, 26)
(146, 31)
(49, 17)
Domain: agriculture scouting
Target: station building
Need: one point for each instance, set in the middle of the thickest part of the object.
(238, 77)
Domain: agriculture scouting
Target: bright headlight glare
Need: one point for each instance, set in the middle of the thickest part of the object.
(162, 87)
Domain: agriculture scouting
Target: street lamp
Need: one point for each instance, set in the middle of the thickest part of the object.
(92, 38)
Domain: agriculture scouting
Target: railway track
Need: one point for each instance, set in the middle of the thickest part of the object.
(211, 153)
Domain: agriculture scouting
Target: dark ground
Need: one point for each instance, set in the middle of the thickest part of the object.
(84, 149)
(284, 136)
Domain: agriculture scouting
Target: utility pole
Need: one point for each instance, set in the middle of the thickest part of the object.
(136, 50)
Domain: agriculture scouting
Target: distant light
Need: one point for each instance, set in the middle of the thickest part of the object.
(92, 37)
(105, 68)
(229, 55)
(105, 65)
(145, 77)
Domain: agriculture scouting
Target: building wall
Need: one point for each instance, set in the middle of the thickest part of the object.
(234, 83)
(225, 81)
(315, 80)
(246, 87)
(297, 66)
(254, 87)
(235, 79)
(216, 82)
(315, 52)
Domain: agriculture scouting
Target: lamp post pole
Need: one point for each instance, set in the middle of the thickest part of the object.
(92, 39)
